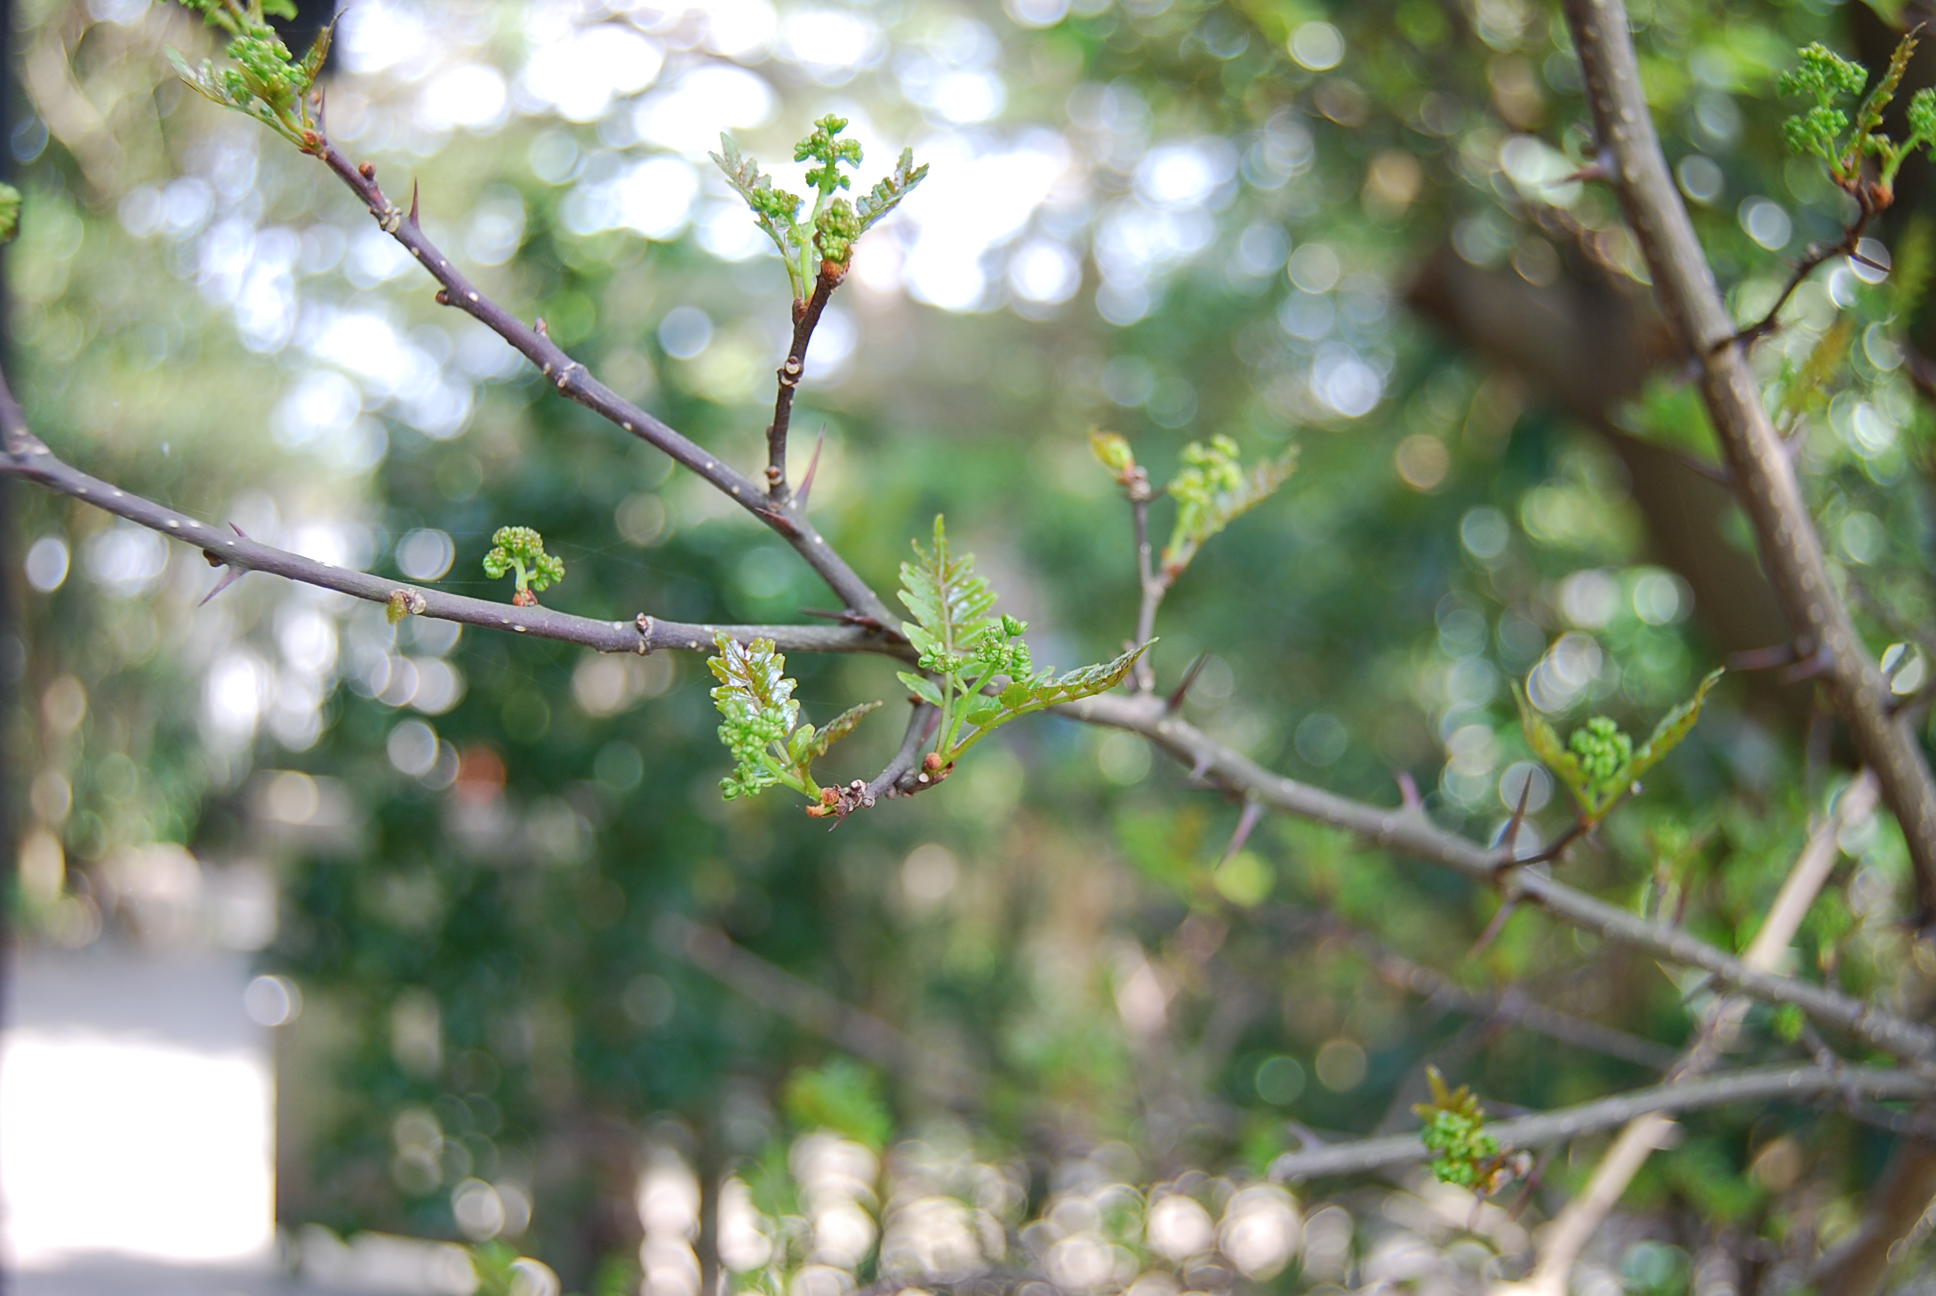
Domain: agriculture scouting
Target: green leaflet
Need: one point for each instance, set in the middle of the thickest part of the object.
(762, 728)
(1674, 726)
(966, 648)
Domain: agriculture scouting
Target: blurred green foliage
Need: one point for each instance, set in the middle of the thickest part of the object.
(1200, 225)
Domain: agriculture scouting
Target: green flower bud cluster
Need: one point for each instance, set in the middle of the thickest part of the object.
(825, 235)
(521, 550)
(1604, 751)
(822, 147)
(265, 80)
(1826, 130)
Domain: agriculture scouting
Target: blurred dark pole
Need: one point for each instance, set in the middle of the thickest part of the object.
(13, 645)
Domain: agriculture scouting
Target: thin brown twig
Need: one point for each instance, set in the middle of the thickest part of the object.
(574, 381)
(806, 317)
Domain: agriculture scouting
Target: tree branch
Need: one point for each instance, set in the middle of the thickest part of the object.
(1412, 834)
(26, 456)
(1763, 475)
(1757, 1084)
(1569, 1232)
(806, 317)
(573, 380)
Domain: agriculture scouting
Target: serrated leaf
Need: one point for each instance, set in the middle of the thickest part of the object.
(1553, 753)
(839, 727)
(887, 194)
(1047, 690)
(948, 600)
(757, 674)
(1674, 726)
(925, 689)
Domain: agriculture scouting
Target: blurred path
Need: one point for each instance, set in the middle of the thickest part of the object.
(137, 1115)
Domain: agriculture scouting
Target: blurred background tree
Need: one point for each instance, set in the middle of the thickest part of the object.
(534, 945)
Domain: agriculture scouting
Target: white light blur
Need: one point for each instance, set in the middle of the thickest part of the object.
(688, 116)
(46, 564)
(971, 203)
(469, 96)
(1044, 271)
(1186, 173)
(830, 44)
(142, 1148)
(740, 29)
(425, 554)
(581, 74)
(321, 402)
(1260, 1230)
(233, 697)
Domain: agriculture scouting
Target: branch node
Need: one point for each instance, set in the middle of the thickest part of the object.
(644, 623)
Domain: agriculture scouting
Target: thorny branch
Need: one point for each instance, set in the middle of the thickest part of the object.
(1755, 1084)
(806, 317)
(573, 380)
(1758, 466)
(1762, 472)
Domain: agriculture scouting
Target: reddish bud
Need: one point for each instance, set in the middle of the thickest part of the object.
(524, 598)
(367, 170)
(932, 762)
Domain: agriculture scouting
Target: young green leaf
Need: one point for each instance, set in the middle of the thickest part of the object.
(1454, 1131)
(1213, 490)
(824, 236)
(265, 80)
(886, 195)
(755, 696)
(763, 729)
(839, 727)
(980, 672)
(1546, 744)
(1674, 726)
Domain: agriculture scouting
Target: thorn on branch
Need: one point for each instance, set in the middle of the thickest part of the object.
(1246, 822)
(813, 466)
(778, 520)
(1408, 796)
(413, 202)
(230, 575)
(1175, 700)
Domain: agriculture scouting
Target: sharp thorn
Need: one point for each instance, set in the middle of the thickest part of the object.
(813, 466)
(1253, 811)
(1408, 793)
(413, 201)
(230, 575)
(1175, 699)
(1510, 832)
(1493, 928)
